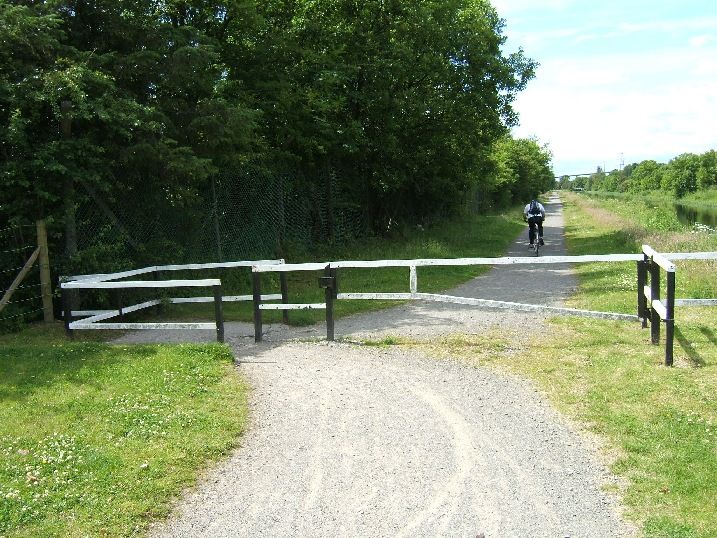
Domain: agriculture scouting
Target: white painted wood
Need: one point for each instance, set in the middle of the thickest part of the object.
(85, 313)
(141, 326)
(225, 298)
(658, 258)
(200, 283)
(126, 310)
(112, 276)
(259, 268)
(102, 277)
(413, 279)
(222, 265)
(487, 261)
(647, 290)
(660, 308)
(691, 256)
(525, 307)
(695, 302)
(301, 306)
(380, 296)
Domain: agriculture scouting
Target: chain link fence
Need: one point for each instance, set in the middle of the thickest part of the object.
(249, 214)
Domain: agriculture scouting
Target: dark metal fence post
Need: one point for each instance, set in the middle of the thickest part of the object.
(329, 295)
(655, 293)
(641, 299)
(284, 296)
(118, 303)
(66, 311)
(670, 318)
(218, 313)
(256, 287)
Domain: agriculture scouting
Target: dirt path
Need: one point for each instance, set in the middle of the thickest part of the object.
(348, 440)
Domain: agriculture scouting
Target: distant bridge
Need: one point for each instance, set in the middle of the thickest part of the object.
(586, 174)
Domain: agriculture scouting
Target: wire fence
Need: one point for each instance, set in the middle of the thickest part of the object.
(248, 214)
(17, 243)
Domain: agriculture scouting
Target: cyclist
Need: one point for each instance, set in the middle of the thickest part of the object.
(534, 213)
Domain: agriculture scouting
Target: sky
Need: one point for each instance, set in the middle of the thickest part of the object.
(618, 81)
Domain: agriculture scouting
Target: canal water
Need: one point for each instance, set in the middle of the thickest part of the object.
(705, 216)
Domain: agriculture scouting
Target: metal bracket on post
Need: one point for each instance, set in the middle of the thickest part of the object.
(218, 313)
(256, 288)
(328, 283)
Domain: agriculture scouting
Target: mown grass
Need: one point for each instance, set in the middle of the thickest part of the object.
(658, 425)
(468, 236)
(97, 439)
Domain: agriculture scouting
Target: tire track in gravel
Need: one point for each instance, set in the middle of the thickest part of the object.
(349, 440)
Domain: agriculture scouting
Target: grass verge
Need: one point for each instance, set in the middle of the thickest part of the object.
(97, 439)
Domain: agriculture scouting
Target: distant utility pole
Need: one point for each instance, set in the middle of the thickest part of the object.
(622, 161)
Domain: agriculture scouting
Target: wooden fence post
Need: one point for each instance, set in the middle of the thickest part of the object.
(45, 279)
(655, 296)
(256, 288)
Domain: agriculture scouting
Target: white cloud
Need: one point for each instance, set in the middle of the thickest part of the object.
(701, 40)
(643, 105)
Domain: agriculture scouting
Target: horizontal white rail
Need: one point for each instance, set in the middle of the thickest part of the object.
(298, 306)
(201, 283)
(225, 298)
(141, 326)
(263, 268)
(690, 255)
(695, 302)
(380, 296)
(486, 261)
(85, 313)
(102, 277)
(220, 265)
(525, 307)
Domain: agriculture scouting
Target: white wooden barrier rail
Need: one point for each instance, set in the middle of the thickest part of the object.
(185, 267)
(93, 284)
(94, 319)
(328, 281)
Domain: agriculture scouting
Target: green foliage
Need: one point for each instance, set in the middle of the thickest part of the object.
(685, 174)
(523, 171)
(401, 100)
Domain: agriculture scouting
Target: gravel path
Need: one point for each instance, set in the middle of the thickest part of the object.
(348, 440)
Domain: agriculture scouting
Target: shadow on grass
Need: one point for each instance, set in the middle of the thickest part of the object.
(709, 334)
(27, 368)
(601, 244)
(697, 360)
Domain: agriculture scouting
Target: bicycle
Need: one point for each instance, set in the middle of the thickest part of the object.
(536, 242)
